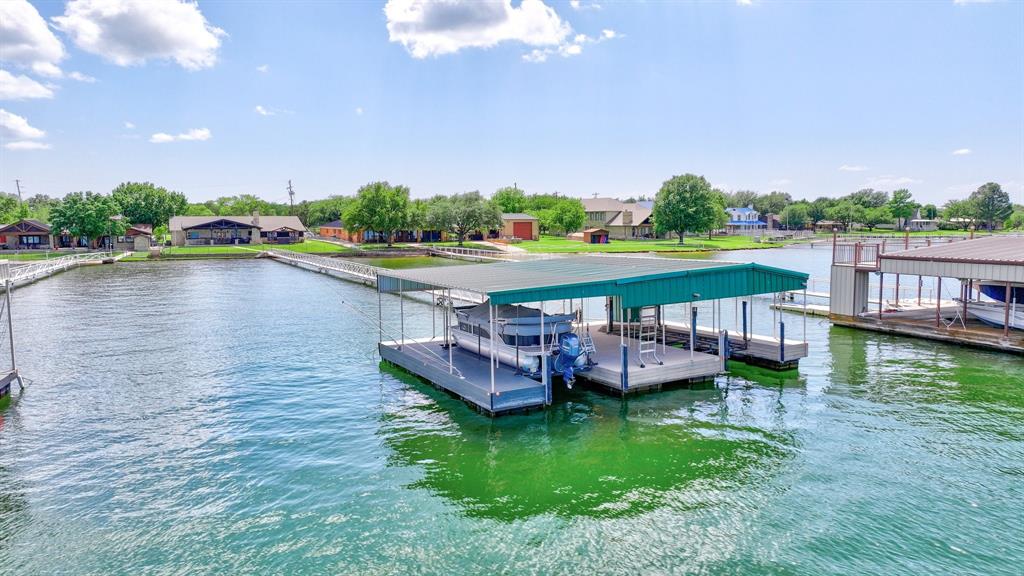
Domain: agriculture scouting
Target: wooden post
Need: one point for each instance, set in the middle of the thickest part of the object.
(920, 281)
(1006, 320)
(938, 303)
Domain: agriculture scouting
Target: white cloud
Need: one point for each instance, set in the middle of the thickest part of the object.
(780, 182)
(81, 77)
(263, 68)
(434, 28)
(130, 33)
(26, 41)
(27, 145)
(609, 34)
(961, 152)
(852, 168)
(263, 111)
(195, 134)
(129, 125)
(359, 110)
(14, 127)
(965, 2)
(579, 5)
(21, 87)
(745, 2)
(567, 49)
(21, 134)
(890, 181)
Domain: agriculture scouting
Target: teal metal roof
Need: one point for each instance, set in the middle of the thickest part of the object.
(644, 281)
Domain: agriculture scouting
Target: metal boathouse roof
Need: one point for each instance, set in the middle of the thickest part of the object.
(639, 281)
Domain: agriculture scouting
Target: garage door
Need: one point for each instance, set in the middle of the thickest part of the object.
(523, 230)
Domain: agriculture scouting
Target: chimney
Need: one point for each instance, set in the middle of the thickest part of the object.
(255, 217)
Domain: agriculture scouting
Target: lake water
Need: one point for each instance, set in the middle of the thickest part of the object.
(212, 417)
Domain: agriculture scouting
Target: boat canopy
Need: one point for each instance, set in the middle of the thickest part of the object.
(636, 281)
(515, 320)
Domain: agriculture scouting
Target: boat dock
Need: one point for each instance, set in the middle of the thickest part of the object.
(634, 347)
(992, 260)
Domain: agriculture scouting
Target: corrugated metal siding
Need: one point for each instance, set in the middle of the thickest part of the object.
(996, 272)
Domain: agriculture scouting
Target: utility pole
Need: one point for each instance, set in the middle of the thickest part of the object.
(18, 184)
(291, 197)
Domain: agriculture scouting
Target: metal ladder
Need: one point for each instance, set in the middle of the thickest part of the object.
(587, 344)
(648, 334)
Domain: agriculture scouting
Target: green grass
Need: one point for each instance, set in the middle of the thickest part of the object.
(32, 255)
(307, 247)
(455, 244)
(558, 244)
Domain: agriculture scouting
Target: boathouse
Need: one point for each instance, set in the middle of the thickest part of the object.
(973, 288)
(638, 296)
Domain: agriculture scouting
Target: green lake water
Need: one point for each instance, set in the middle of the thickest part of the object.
(231, 417)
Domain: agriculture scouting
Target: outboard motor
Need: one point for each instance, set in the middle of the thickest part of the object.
(569, 351)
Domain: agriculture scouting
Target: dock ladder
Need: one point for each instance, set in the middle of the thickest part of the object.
(648, 334)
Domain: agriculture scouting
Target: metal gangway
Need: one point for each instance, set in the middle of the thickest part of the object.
(30, 272)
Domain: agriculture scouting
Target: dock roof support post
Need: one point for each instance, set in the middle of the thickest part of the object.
(693, 329)
(380, 317)
(938, 301)
(544, 374)
(805, 315)
(490, 317)
(401, 313)
(448, 329)
(1006, 321)
(881, 284)
(920, 282)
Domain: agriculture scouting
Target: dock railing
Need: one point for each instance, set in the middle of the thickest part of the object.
(867, 255)
(38, 269)
(362, 271)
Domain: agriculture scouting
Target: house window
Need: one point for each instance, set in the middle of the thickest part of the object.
(30, 240)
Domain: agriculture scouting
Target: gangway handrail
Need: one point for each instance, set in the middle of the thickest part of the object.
(40, 268)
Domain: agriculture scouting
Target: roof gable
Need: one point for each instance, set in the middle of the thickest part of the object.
(26, 226)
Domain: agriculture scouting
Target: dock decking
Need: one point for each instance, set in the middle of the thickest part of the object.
(470, 378)
(678, 365)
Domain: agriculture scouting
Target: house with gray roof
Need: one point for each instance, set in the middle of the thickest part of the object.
(622, 220)
(255, 229)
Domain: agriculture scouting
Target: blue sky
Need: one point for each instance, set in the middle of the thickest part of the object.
(809, 98)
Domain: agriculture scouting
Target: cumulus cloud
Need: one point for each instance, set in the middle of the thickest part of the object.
(195, 134)
(579, 5)
(852, 168)
(26, 41)
(745, 2)
(573, 47)
(130, 33)
(129, 125)
(890, 181)
(19, 133)
(428, 28)
(263, 68)
(78, 76)
(263, 111)
(359, 110)
(21, 87)
(961, 152)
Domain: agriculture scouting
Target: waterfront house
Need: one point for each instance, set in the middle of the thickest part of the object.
(744, 221)
(138, 237)
(919, 224)
(622, 220)
(337, 229)
(255, 229)
(26, 234)
(520, 226)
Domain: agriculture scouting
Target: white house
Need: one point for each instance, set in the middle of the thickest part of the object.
(743, 221)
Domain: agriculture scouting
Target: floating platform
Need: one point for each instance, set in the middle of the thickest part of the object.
(922, 325)
(678, 365)
(469, 378)
(758, 349)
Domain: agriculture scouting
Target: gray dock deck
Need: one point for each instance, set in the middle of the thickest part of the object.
(678, 366)
(758, 349)
(470, 378)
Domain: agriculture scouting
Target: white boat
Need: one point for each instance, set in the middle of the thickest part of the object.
(518, 341)
(994, 313)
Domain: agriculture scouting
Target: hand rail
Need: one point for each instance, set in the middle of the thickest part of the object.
(38, 269)
(336, 264)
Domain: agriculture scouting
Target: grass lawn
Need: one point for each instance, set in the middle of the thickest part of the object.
(307, 247)
(31, 255)
(561, 244)
(467, 244)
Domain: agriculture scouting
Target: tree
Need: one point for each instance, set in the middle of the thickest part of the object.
(568, 215)
(8, 208)
(463, 213)
(772, 203)
(380, 207)
(929, 211)
(868, 198)
(145, 203)
(740, 199)
(846, 213)
(418, 217)
(1015, 221)
(875, 216)
(686, 203)
(796, 216)
(991, 204)
(818, 210)
(959, 212)
(902, 206)
(87, 214)
(510, 199)
(327, 210)
(198, 210)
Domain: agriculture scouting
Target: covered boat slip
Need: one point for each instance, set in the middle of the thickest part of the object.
(631, 355)
(993, 266)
